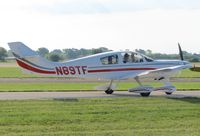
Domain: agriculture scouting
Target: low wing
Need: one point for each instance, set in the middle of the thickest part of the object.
(163, 72)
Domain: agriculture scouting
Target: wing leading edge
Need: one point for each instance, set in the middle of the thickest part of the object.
(163, 72)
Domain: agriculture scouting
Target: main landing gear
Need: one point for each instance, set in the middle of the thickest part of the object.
(145, 90)
(145, 94)
(168, 93)
(109, 90)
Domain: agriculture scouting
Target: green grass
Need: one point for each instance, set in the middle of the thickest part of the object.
(14, 72)
(187, 74)
(17, 87)
(154, 116)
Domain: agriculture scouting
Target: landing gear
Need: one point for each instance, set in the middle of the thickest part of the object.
(145, 94)
(109, 91)
(143, 90)
(168, 93)
(168, 88)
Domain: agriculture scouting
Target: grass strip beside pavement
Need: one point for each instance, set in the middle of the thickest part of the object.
(14, 72)
(46, 87)
(186, 73)
(153, 116)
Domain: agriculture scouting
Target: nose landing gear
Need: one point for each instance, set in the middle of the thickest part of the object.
(109, 91)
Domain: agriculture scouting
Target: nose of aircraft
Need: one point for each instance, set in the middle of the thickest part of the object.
(186, 63)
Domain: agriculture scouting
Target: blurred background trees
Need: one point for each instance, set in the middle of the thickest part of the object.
(73, 53)
(3, 54)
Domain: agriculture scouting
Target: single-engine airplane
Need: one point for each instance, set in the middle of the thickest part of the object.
(114, 65)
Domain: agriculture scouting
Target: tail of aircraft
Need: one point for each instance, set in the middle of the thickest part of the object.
(19, 48)
(30, 61)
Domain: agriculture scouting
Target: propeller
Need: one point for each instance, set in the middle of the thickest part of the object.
(194, 68)
(180, 52)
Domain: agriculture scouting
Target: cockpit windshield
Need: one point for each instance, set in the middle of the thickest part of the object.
(148, 59)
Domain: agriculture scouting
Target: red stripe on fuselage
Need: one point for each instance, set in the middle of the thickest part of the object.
(31, 68)
(118, 69)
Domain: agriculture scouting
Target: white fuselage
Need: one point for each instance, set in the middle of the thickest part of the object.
(93, 67)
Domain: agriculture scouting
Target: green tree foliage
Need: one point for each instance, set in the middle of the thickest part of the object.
(9, 53)
(195, 59)
(54, 57)
(85, 52)
(99, 50)
(57, 51)
(43, 51)
(73, 53)
(3, 54)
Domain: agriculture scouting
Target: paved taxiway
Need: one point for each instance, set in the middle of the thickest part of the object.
(91, 94)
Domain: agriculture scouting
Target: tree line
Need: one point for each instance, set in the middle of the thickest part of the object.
(73, 53)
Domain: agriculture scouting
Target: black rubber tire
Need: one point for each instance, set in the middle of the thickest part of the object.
(168, 93)
(145, 94)
(109, 91)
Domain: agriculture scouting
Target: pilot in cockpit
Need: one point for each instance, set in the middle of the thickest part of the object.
(126, 58)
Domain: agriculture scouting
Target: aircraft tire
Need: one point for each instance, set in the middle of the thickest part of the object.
(109, 91)
(145, 94)
(168, 93)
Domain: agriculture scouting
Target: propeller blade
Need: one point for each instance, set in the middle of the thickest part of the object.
(180, 52)
(196, 69)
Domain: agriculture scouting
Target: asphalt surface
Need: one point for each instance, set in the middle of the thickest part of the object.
(93, 94)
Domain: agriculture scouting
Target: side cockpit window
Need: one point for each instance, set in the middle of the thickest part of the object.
(132, 58)
(112, 59)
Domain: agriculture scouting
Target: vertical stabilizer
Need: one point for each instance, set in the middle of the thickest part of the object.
(30, 61)
(21, 50)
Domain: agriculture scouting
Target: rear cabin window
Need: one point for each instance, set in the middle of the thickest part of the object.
(112, 59)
